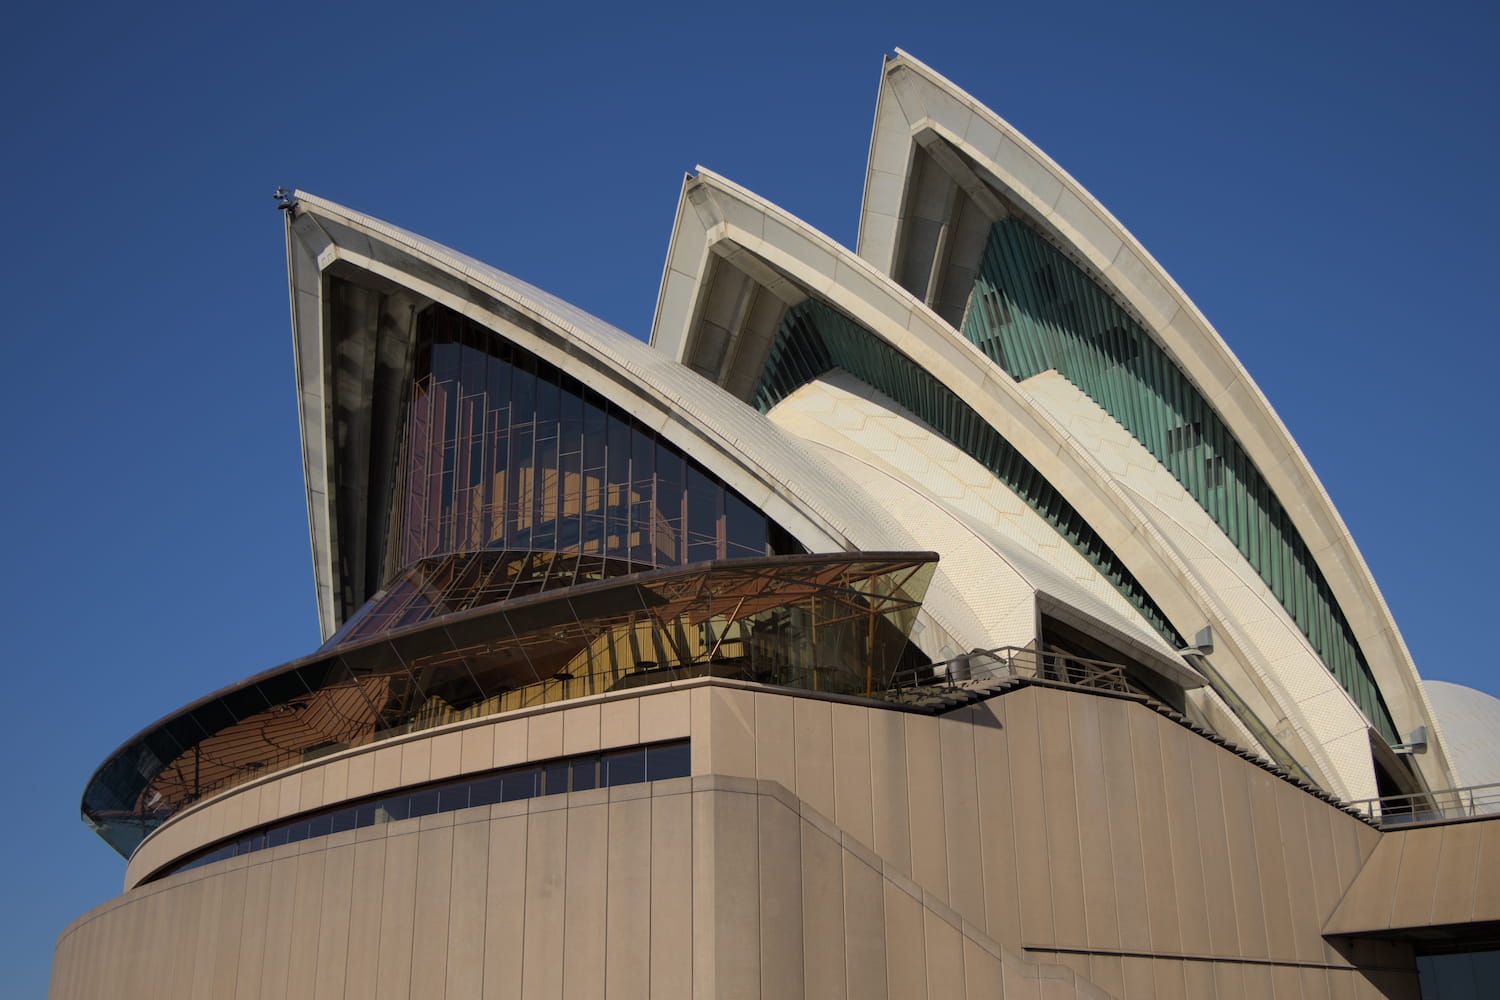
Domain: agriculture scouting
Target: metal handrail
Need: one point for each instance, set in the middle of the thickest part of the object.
(1011, 661)
(1438, 806)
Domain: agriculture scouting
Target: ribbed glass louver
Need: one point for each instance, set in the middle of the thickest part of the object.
(1033, 310)
(815, 338)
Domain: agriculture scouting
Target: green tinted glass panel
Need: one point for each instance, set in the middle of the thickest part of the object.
(815, 338)
(1032, 309)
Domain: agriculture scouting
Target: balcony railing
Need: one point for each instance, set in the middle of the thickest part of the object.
(963, 673)
(1445, 805)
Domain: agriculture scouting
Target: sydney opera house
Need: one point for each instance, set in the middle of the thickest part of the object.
(947, 617)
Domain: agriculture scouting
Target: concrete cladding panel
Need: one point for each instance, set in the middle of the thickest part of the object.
(704, 887)
(1060, 842)
(582, 726)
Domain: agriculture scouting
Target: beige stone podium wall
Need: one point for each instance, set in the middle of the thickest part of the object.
(1082, 829)
(1044, 843)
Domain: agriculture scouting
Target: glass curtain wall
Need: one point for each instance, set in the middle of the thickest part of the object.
(1033, 310)
(508, 454)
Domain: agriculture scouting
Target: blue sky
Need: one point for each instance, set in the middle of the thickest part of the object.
(1316, 177)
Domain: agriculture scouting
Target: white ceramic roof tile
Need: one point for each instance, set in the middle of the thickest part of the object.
(1470, 721)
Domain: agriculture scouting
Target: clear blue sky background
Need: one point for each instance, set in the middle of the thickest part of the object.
(1319, 178)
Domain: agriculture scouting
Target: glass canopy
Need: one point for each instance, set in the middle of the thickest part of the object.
(836, 623)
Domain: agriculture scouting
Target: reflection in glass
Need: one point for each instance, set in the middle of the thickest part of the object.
(832, 623)
(505, 453)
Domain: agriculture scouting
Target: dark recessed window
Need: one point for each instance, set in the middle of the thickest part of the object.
(654, 762)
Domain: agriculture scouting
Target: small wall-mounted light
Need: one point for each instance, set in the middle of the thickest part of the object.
(1416, 742)
(1203, 643)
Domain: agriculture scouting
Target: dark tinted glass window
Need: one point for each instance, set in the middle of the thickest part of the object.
(625, 768)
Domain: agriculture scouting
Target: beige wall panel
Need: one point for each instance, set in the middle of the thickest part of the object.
(666, 716)
(252, 940)
(1097, 858)
(700, 721)
(961, 815)
(447, 755)
(1367, 903)
(194, 964)
(307, 899)
(1241, 828)
(1199, 980)
(906, 949)
(620, 722)
(229, 934)
(335, 911)
(945, 957)
(1340, 985)
(1256, 981)
(1185, 910)
(996, 838)
(1229, 983)
(775, 746)
(1060, 812)
(387, 768)
(505, 900)
(311, 794)
(1487, 886)
(510, 742)
(924, 783)
(1277, 897)
(781, 957)
(1121, 813)
(982, 976)
(865, 938)
(889, 801)
(280, 901)
(1458, 872)
(289, 794)
(1107, 972)
(1168, 981)
(434, 886)
(1286, 982)
(1160, 827)
(200, 955)
(1018, 984)
(853, 810)
(1413, 900)
(397, 916)
(361, 775)
(627, 927)
(825, 901)
(186, 912)
(813, 722)
(730, 737)
(1140, 978)
(1032, 876)
(581, 729)
(269, 805)
(731, 902)
(336, 780)
(672, 936)
(361, 969)
(584, 908)
(476, 749)
(1307, 908)
(546, 855)
(466, 905)
(1207, 800)
(1324, 868)
(544, 736)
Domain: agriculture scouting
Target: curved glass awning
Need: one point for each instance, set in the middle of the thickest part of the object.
(836, 623)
